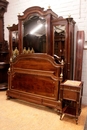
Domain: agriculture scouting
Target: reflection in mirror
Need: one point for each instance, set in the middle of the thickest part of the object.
(59, 41)
(34, 37)
(14, 40)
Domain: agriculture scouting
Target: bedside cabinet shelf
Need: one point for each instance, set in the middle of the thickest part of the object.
(70, 111)
(71, 98)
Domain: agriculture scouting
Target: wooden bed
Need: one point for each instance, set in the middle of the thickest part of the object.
(35, 78)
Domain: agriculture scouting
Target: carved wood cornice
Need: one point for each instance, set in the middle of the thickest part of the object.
(36, 10)
(3, 7)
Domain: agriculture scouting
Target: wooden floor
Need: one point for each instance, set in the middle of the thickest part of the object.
(19, 115)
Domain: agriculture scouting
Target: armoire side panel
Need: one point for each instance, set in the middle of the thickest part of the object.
(79, 55)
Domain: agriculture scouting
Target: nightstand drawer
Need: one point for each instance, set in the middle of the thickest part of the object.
(70, 95)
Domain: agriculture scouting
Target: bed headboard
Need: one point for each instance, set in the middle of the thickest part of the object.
(35, 61)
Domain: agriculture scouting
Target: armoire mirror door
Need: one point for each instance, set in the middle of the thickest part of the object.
(59, 41)
(63, 38)
(34, 34)
(13, 39)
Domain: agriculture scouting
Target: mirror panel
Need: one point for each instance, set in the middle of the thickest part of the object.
(34, 34)
(59, 41)
(14, 40)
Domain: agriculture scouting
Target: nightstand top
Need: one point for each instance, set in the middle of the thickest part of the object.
(72, 83)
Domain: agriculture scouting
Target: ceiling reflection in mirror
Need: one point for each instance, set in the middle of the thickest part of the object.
(34, 36)
(59, 41)
(60, 29)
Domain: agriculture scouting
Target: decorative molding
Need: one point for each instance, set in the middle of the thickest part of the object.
(3, 7)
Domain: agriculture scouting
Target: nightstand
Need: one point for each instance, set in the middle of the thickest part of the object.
(71, 98)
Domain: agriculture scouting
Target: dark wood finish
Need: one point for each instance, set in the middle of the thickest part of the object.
(64, 44)
(4, 54)
(79, 55)
(61, 45)
(71, 97)
(35, 78)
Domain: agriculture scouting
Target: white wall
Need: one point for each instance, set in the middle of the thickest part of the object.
(76, 8)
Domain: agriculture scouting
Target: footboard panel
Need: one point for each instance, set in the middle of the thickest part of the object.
(43, 85)
(31, 83)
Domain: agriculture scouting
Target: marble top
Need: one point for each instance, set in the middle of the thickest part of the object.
(72, 82)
